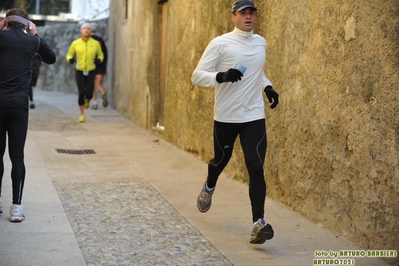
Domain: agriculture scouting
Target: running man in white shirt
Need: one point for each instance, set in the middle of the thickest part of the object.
(233, 63)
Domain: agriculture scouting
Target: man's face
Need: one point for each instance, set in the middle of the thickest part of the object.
(244, 19)
(86, 31)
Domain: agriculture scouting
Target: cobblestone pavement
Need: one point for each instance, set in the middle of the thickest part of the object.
(129, 223)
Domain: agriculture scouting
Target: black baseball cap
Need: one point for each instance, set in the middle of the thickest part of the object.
(242, 4)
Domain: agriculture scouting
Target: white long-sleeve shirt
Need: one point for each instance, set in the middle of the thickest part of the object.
(240, 101)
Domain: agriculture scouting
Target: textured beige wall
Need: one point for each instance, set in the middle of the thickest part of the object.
(333, 140)
(136, 59)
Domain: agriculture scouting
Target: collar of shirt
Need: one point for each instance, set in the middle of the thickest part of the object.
(244, 34)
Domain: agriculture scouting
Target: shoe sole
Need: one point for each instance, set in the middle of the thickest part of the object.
(17, 219)
(266, 233)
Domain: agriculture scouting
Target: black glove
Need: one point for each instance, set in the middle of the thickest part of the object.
(97, 61)
(72, 60)
(272, 96)
(231, 75)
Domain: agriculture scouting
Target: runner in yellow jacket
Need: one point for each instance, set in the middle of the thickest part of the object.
(85, 52)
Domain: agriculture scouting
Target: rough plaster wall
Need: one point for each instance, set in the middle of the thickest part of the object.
(332, 142)
(136, 89)
(61, 75)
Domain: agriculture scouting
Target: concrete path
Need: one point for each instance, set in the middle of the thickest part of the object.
(133, 202)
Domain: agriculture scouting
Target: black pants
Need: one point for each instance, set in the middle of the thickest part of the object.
(85, 85)
(253, 142)
(14, 123)
(35, 76)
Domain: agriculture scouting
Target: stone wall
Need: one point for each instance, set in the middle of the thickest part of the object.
(333, 140)
(61, 75)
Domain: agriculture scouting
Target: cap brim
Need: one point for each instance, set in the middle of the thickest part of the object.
(244, 7)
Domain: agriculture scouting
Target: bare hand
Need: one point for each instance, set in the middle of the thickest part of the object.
(32, 29)
(2, 23)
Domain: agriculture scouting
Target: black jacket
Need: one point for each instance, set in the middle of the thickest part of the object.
(17, 50)
(103, 48)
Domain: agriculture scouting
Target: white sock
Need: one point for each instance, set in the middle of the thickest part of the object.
(209, 189)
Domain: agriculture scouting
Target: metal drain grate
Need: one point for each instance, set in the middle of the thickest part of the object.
(77, 152)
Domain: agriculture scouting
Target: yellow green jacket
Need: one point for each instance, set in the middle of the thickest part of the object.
(85, 52)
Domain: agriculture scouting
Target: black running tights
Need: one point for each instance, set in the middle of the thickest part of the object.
(253, 142)
(85, 85)
(14, 124)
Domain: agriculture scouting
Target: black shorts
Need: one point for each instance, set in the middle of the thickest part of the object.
(102, 70)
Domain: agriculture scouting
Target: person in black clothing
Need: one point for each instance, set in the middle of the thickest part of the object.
(19, 44)
(101, 69)
(35, 75)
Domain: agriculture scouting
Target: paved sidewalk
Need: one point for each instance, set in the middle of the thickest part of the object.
(133, 201)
